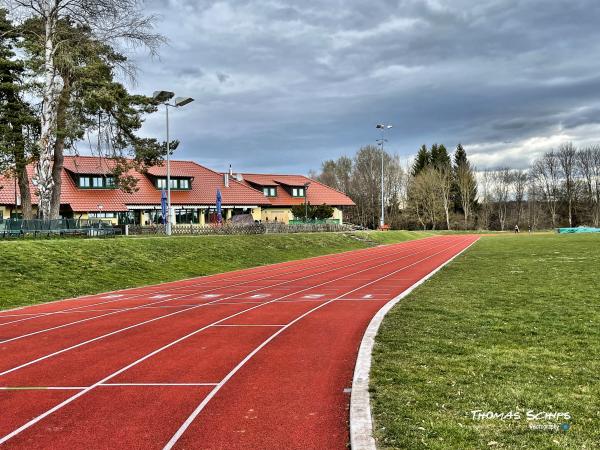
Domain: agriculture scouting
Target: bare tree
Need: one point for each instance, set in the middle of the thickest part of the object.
(547, 171)
(486, 181)
(444, 188)
(567, 158)
(466, 185)
(588, 162)
(519, 179)
(501, 193)
(534, 197)
(425, 196)
(111, 21)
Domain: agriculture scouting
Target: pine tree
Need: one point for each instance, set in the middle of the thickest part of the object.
(93, 104)
(18, 125)
(440, 158)
(422, 160)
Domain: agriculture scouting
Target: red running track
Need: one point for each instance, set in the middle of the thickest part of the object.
(255, 359)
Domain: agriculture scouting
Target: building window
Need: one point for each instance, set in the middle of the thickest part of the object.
(101, 215)
(96, 182)
(187, 216)
(176, 183)
(270, 191)
(298, 192)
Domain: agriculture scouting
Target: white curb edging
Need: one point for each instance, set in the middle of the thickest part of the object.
(361, 421)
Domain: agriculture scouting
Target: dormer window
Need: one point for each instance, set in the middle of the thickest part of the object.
(95, 182)
(298, 192)
(180, 184)
(270, 191)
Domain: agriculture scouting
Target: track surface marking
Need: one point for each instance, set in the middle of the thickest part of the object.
(258, 358)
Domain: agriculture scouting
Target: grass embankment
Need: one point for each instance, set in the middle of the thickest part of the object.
(33, 271)
(511, 326)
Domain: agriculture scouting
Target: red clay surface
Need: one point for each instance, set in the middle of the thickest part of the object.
(254, 359)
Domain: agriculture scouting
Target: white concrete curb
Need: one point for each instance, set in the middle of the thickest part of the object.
(361, 421)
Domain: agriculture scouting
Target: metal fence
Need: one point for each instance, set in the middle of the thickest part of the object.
(19, 228)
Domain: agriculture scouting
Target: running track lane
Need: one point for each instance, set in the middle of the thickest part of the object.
(262, 364)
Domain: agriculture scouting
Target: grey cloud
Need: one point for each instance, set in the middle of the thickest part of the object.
(299, 81)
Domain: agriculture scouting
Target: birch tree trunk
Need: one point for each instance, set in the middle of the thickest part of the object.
(43, 178)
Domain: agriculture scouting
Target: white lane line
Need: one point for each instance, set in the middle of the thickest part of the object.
(206, 280)
(251, 325)
(58, 352)
(313, 296)
(361, 421)
(42, 388)
(116, 311)
(149, 355)
(224, 381)
(112, 296)
(156, 384)
(146, 305)
(368, 296)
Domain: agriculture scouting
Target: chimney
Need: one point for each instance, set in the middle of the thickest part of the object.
(230, 171)
(239, 177)
(226, 179)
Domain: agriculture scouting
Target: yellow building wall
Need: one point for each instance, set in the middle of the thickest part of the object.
(257, 214)
(281, 214)
(286, 215)
(338, 214)
(4, 213)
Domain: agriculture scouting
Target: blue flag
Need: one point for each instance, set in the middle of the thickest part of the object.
(163, 204)
(219, 215)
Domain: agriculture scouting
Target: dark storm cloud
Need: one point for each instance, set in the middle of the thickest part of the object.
(282, 85)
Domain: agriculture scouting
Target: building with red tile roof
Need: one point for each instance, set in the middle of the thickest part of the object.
(285, 191)
(88, 191)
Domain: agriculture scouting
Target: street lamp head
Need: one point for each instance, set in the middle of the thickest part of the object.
(163, 96)
(381, 126)
(182, 101)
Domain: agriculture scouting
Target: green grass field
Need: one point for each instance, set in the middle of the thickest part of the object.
(33, 271)
(513, 325)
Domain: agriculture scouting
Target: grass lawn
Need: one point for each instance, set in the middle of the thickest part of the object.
(33, 271)
(513, 325)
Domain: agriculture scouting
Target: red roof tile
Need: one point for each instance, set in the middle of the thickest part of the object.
(318, 193)
(203, 192)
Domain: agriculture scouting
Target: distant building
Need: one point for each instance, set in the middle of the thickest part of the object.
(89, 192)
(285, 191)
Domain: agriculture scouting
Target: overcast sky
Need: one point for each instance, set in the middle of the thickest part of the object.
(282, 85)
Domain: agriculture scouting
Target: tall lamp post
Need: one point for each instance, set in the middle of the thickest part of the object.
(382, 127)
(164, 97)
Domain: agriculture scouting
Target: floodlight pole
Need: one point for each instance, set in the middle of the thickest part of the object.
(382, 127)
(164, 97)
(168, 229)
